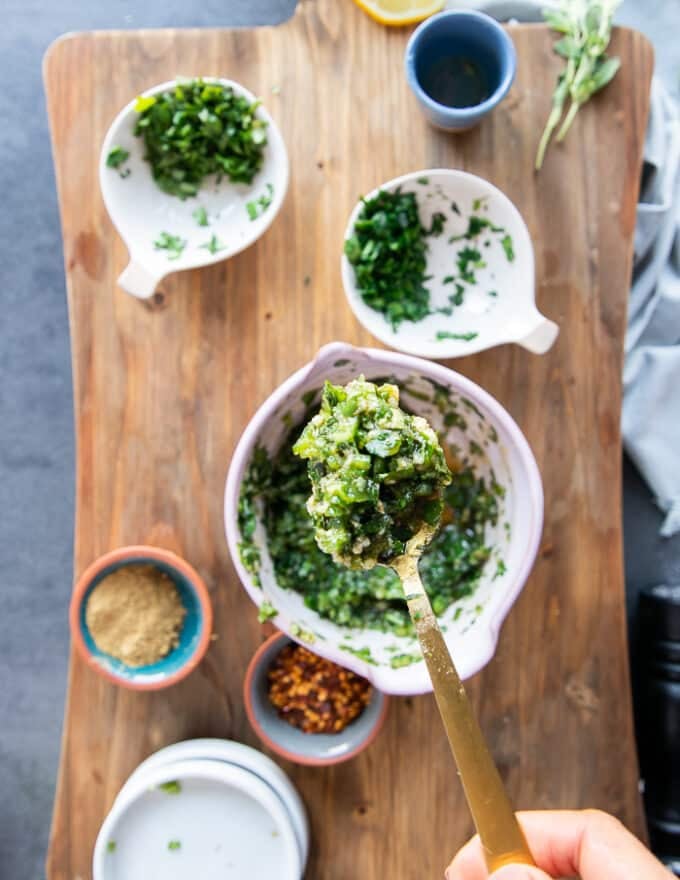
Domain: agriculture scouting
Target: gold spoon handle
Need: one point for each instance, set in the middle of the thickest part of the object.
(503, 841)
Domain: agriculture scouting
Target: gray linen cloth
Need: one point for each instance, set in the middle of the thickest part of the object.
(651, 377)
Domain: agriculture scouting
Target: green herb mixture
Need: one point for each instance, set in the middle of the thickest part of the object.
(196, 129)
(450, 567)
(377, 473)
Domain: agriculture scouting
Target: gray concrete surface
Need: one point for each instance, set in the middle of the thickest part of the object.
(36, 435)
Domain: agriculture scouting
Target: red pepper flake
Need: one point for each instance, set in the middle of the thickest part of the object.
(313, 694)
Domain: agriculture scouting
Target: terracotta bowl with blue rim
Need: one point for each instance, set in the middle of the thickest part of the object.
(194, 636)
(313, 749)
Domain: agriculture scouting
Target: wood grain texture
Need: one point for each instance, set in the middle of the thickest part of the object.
(164, 389)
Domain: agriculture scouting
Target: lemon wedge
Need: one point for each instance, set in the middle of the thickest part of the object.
(397, 12)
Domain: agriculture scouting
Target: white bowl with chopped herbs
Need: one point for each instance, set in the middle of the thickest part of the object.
(473, 570)
(440, 264)
(192, 172)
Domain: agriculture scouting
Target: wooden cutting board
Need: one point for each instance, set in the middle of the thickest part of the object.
(164, 389)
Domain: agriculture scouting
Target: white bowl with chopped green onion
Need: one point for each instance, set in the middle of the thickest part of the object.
(440, 264)
(169, 219)
(474, 569)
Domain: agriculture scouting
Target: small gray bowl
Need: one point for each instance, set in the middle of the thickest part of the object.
(313, 749)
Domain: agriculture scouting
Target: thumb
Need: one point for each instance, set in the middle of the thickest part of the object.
(519, 872)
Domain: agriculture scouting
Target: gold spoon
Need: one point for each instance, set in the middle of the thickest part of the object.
(503, 841)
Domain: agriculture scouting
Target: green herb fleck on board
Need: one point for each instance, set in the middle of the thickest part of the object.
(174, 845)
(116, 157)
(200, 215)
(477, 204)
(508, 247)
(464, 337)
(258, 206)
(213, 246)
(173, 244)
(501, 568)
(266, 612)
(111, 846)
(457, 613)
(174, 786)
(401, 660)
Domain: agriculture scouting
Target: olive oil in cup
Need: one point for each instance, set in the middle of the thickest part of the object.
(459, 65)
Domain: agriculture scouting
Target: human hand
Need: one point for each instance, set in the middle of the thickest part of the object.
(588, 844)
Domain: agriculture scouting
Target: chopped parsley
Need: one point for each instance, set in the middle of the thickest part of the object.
(111, 846)
(258, 206)
(467, 260)
(174, 845)
(465, 337)
(266, 612)
(477, 204)
(304, 635)
(196, 129)
(174, 786)
(398, 661)
(173, 244)
(117, 156)
(423, 181)
(362, 653)
(257, 477)
(437, 224)
(508, 247)
(450, 567)
(387, 249)
(213, 246)
(200, 215)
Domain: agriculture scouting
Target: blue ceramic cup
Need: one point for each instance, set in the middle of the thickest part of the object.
(459, 65)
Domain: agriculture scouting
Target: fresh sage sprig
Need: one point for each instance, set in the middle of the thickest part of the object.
(586, 27)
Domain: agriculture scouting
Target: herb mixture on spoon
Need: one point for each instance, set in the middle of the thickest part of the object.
(378, 474)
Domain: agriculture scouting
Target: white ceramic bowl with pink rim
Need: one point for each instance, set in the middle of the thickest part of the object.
(484, 434)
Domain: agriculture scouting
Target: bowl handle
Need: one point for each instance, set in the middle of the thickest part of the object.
(541, 338)
(137, 280)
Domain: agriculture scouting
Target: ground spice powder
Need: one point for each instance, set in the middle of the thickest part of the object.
(135, 614)
(313, 694)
